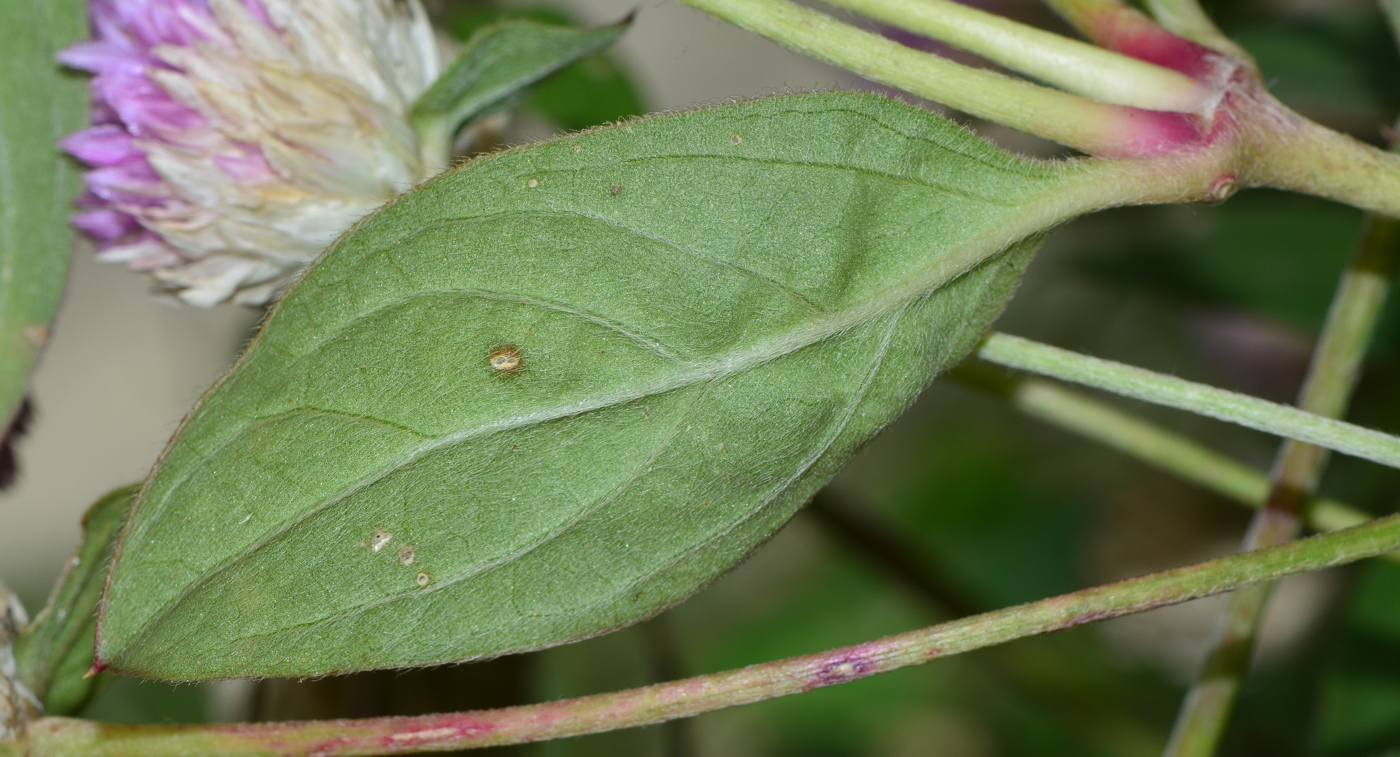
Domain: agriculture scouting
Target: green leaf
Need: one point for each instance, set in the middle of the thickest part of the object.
(41, 104)
(563, 387)
(499, 62)
(55, 651)
(592, 91)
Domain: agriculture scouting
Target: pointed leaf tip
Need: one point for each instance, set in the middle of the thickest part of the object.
(563, 387)
(498, 63)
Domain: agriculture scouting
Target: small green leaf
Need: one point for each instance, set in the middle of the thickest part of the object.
(563, 387)
(55, 651)
(592, 91)
(498, 62)
(39, 104)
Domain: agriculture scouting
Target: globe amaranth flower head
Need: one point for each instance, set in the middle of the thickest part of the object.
(236, 139)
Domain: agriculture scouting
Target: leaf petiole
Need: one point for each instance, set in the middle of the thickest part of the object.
(1066, 63)
(1085, 124)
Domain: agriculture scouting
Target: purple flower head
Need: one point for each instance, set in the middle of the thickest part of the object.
(232, 140)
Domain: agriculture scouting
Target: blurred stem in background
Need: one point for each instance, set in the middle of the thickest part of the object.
(1327, 390)
(1055, 680)
(1169, 391)
(1148, 442)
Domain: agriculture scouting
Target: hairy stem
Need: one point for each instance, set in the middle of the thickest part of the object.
(1069, 64)
(1088, 16)
(1233, 407)
(1187, 19)
(55, 737)
(1298, 155)
(1146, 441)
(1094, 127)
(1336, 365)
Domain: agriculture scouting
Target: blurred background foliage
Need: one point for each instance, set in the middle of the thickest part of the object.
(964, 505)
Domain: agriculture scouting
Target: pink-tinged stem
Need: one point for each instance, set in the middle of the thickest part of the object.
(52, 737)
(1095, 127)
(1125, 30)
(1335, 368)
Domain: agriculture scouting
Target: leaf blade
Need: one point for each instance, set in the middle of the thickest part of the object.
(498, 63)
(37, 182)
(687, 380)
(55, 651)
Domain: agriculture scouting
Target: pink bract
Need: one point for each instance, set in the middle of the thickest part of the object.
(212, 138)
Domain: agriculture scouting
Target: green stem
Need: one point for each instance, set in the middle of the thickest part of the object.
(1088, 125)
(1233, 407)
(1186, 18)
(1087, 15)
(1298, 155)
(1066, 63)
(1336, 366)
(55, 737)
(1148, 442)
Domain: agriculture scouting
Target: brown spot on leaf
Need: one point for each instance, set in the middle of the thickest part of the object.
(505, 359)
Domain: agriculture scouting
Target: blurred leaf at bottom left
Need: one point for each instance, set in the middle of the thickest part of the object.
(55, 652)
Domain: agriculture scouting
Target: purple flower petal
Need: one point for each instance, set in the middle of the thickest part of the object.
(166, 22)
(133, 182)
(102, 113)
(101, 146)
(143, 105)
(106, 24)
(106, 225)
(100, 57)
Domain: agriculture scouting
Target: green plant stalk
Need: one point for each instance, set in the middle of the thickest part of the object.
(1068, 119)
(1066, 63)
(1172, 452)
(1187, 19)
(1105, 21)
(1301, 156)
(1332, 377)
(59, 737)
(1159, 389)
(1391, 10)
(1087, 15)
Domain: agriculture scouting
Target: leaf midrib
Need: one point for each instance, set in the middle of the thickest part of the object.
(938, 273)
(777, 491)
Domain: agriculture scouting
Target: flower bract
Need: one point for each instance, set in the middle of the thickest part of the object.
(233, 140)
